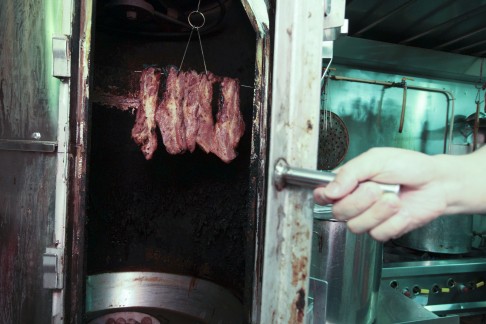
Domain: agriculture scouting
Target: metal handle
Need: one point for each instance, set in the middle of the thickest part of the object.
(285, 174)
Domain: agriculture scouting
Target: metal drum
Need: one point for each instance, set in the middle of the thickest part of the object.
(351, 264)
(447, 234)
(159, 297)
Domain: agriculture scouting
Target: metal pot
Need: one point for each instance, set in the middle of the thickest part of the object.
(446, 234)
(351, 265)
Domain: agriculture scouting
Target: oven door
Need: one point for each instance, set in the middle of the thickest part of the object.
(294, 126)
(34, 131)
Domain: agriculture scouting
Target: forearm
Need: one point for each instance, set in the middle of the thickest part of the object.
(464, 179)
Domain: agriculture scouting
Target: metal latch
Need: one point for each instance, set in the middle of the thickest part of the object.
(61, 57)
(53, 278)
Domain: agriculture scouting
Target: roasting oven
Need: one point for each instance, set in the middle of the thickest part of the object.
(91, 231)
(177, 238)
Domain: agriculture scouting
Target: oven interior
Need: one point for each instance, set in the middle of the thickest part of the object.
(187, 214)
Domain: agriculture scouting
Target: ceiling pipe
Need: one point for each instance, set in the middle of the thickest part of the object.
(386, 16)
(461, 49)
(460, 38)
(427, 15)
(453, 21)
(448, 94)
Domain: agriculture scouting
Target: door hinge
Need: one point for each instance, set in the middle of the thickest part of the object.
(53, 277)
(61, 57)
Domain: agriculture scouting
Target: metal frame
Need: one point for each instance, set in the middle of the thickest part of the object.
(74, 257)
(293, 137)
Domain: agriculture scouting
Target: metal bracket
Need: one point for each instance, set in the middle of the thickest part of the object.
(53, 278)
(61, 57)
(28, 145)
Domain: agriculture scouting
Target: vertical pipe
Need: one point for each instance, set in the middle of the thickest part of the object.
(404, 106)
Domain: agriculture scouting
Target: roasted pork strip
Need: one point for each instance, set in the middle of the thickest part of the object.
(190, 107)
(169, 115)
(205, 133)
(229, 126)
(143, 132)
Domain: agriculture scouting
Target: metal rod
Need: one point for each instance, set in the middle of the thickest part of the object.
(461, 49)
(404, 106)
(285, 174)
(386, 16)
(28, 145)
(474, 32)
(455, 20)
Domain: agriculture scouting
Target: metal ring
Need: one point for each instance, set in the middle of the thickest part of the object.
(190, 22)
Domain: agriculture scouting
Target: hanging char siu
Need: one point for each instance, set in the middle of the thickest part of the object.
(229, 126)
(205, 133)
(185, 117)
(169, 115)
(143, 132)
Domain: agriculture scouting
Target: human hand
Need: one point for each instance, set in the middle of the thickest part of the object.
(422, 198)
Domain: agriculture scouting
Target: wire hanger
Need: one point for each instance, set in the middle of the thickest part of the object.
(196, 27)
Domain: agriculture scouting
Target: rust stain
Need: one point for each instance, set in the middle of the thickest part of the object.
(298, 307)
(299, 270)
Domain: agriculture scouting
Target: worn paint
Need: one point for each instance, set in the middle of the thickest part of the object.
(295, 103)
(28, 104)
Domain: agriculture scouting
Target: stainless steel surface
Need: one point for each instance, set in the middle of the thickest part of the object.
(458, 308)
(351, 265)
(293, 135)
(449, 96)
(433, 267)
(393, 307)
(285, 174)
(451, 234)
(28, 145)
(445, 287)
(406, 60)
(153, 293)
(61, 56)
(317, 300)
(334, 12)
(372, 112)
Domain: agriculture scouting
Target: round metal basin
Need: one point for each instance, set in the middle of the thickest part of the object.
(167, 297)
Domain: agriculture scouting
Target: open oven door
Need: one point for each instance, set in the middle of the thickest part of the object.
(301, 42)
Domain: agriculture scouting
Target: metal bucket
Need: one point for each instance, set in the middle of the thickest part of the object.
(351, 265)
(446, 234)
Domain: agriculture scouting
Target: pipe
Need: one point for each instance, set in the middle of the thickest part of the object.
(460, 38)
(448, 94)
(476, 127)
(386, 16)
(404, 105)
(453, 21)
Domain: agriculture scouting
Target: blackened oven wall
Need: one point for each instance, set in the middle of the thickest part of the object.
(184, 214)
